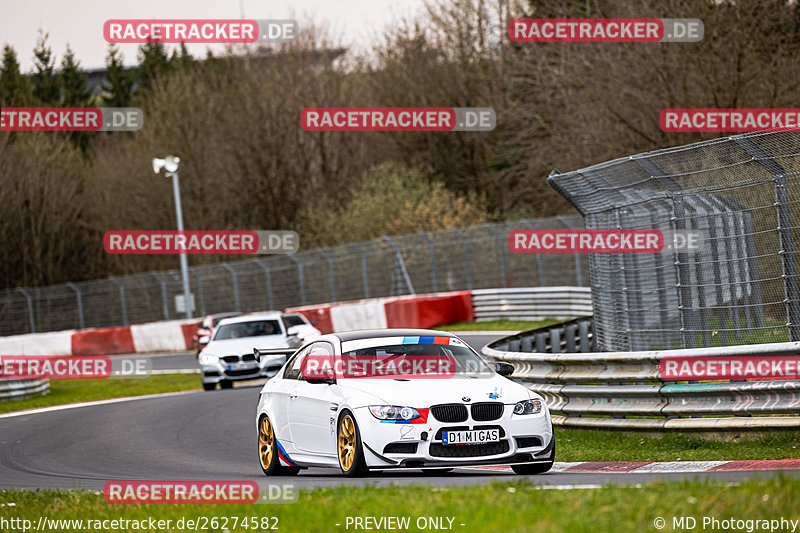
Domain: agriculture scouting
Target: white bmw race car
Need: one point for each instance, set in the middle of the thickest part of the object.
(394, 398)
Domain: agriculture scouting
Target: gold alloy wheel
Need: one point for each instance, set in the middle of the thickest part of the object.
(265, 443)
(347, 442)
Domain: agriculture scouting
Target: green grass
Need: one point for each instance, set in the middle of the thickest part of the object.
(598, 445)
(86, 390)
(507, 507)
(499, 325)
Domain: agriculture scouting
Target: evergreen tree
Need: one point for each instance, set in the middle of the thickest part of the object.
(75, 88)
(118, 87)
(75, 93)
(46, 90)
(153, 63)
(181, 58)
(15, 90)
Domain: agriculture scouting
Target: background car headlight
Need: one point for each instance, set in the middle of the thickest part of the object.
(208, 359)
(393, 412)
(528, 407)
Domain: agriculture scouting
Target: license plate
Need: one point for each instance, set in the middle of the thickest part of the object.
(478, 436)
(240, 366)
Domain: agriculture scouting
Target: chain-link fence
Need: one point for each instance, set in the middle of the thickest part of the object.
(470, 258)
(741, 194)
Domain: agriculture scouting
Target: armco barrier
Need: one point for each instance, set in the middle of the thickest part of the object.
(626, 390)
(531, 303)
(23, 388)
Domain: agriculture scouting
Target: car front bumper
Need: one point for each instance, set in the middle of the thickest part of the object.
(222, 371)
(523, 439)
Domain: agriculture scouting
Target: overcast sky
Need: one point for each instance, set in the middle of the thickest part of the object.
(80, 22)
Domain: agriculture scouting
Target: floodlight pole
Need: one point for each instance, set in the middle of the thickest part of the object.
(176, 191)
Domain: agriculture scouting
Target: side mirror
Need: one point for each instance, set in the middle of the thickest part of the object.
(313, 322)
(504, 369)
(328, 379)
(204, 339)
(293, 331)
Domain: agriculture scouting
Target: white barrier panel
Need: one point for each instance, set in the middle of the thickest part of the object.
(369, 314)
(54, 343)
(159, 336)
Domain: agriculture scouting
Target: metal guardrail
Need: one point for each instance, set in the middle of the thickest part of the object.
(625, 390)
(531, 303)
(23, 388)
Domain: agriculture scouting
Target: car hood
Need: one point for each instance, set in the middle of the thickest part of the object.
(423, 393)
(245, 345)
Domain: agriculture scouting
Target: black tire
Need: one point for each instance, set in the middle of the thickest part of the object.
(527, 469)
(357, 466)
(435, 471)
(225, 384)
(209, 386)
(271, 463)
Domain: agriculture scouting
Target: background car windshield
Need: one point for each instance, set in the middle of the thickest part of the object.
(467, 361)
(256, 328)
(292, 320)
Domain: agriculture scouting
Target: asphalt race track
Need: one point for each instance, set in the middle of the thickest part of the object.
(201, 436)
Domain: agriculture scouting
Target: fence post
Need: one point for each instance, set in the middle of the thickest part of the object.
(576, 256)
(235, 277)
(467, 266)
(399, 261)
(164, 301)
(539, 258)
(327, 257)
(364, 275)
(501, 245)
(432, 251)
(782, 203)
(79, 298)
(301, 279)
(30, 308)
(121, 287)
(268, 279)
(200, 293)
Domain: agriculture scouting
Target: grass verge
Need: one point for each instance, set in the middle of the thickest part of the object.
(508, 507)
(64, 391)
(499, 325)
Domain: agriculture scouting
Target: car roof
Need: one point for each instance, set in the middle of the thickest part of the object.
(377, 333)
(271, 315)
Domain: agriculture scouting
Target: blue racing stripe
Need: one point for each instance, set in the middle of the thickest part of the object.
(282, 453)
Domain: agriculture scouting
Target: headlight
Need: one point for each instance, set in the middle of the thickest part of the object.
(393, 412)
(528, 407)
(208, 359)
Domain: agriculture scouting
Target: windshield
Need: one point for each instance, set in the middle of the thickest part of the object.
(391, 358)
(292, 320)
(256, 328)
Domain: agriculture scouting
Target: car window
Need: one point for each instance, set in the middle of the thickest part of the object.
(293, 367)
(292, 320)
(255, 328)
